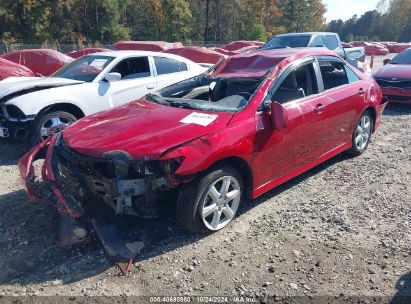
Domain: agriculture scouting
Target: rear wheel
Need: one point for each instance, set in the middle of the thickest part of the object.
(210, 202)
(361, 136)
(50, 124)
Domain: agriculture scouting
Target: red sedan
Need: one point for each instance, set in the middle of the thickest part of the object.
(247, 125)
(395, 78)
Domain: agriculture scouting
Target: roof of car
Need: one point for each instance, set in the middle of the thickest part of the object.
(256, 64)
(127, 53)
(307, 33)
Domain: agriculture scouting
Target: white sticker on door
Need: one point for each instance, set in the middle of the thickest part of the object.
(199, 119)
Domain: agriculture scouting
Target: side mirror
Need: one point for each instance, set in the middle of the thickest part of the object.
(278, 116)
(111, 77)
(386, 61)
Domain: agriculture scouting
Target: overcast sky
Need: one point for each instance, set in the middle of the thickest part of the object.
(345, 9)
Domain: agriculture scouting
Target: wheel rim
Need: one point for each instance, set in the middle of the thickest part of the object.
(221, 202)
(363, 132)
(54, 125)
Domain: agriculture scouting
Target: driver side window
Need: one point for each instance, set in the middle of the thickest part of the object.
(132, 68)
(300, 82)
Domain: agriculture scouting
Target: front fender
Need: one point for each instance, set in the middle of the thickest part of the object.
(48, 189)
(33, 103)
(26, 167)
(201, 153)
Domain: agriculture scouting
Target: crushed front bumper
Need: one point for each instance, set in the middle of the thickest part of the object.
(83, 185)
(56, 172)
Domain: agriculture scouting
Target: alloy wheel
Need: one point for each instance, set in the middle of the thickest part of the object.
(54, 125)
(221, 202)
(363, 133)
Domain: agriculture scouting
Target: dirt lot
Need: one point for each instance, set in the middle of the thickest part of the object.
(342, 229)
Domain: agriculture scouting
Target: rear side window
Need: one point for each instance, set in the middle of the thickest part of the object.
(331, 42)
(168, 66)
(333, 74)
(300, 83)
(352, 77)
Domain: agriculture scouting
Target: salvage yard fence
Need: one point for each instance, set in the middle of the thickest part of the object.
(68, 47)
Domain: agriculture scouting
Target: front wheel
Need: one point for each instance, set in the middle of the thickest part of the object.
(210, 202)
(361, 136)
(49, 124)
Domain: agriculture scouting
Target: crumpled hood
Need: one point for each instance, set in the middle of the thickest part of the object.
(16, 87)
(142, 129)
(401, 71)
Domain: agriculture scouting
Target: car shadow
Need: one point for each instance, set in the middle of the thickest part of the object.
(10, 153)
(295, 181)
(403, 287)
(30, 252)
(397, 109)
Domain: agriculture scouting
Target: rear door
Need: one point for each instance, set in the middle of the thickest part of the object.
(346, 93)
(169, 71)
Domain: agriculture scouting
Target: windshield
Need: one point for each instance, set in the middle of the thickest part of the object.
(225, 94)
(402, 58)
(279, 42)
(85, 68)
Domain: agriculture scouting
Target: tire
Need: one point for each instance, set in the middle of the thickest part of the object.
(361, 135)
(46, 121)
(196, 197)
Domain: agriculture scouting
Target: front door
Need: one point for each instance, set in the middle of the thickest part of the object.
(137, 80)
(283, 151)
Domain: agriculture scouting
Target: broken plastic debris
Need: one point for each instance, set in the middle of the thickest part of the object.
(118, 245)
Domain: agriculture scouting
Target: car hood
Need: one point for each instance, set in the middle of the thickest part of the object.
(401, 71)
(16, 87)
(143, 129)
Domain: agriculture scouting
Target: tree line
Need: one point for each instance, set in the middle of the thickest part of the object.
(107, 21)
(390, 21)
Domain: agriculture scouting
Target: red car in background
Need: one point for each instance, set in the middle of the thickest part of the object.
(43, 62)
(11, 69)
(395, 78)
(249, 124)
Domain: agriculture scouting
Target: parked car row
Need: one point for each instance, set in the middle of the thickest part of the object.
(379, 48)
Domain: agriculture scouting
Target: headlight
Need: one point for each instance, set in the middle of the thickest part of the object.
(15, 112)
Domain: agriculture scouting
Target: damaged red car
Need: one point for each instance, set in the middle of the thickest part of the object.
(247, 125)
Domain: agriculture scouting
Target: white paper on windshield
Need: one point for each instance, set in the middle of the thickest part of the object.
(98, 63)
(199, 119)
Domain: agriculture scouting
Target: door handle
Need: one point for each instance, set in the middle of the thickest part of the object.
(319, 108)
(150, 87)
(361, 92)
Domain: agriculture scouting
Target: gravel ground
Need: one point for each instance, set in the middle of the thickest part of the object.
(342, 229)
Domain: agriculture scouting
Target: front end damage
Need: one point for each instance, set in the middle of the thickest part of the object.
(89, 191)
